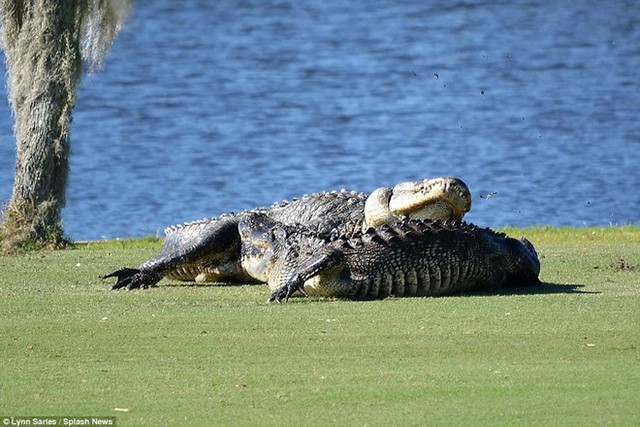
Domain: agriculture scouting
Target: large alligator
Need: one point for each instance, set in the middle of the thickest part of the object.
(408, 258)
(210, 250)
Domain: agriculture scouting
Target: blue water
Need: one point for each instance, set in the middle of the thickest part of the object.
(207, 107)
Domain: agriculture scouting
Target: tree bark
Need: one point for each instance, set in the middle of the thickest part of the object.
(42, 48)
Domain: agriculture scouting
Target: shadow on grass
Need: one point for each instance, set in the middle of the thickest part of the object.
(542, 288)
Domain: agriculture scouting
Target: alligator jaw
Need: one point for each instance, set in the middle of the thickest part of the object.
(438, 198)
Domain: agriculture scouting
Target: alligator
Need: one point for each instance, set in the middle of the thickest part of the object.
(406, 258)
(209, 250)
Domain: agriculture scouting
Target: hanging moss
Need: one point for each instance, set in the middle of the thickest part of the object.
(45, 43)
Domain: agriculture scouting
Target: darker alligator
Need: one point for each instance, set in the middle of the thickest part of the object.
(211, 249)
(408, 258)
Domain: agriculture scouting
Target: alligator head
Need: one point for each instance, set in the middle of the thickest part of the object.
(267, 249)
(443, 198)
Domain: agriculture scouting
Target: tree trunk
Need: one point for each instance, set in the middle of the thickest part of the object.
(42, 48)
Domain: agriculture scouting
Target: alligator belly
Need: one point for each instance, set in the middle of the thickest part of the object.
(444, 280)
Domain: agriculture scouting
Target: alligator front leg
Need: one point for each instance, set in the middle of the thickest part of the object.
(133, 278)
(295, 283)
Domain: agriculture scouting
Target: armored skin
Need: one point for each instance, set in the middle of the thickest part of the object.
(210, 250)
(407, 258)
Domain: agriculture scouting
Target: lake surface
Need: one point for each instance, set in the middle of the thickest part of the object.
(207, 107)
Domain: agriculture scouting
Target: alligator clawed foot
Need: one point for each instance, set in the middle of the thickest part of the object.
(129, 278)
(296, 283)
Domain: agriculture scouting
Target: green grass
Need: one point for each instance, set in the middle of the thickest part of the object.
(564, 353)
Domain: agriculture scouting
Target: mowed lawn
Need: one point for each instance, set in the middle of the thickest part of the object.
(563, 353)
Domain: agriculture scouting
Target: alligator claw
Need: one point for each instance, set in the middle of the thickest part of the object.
(130, 278)
(294, 284)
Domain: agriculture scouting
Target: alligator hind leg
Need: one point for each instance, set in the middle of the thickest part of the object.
(132, 278)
